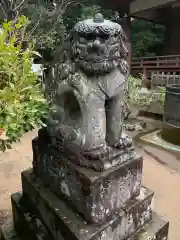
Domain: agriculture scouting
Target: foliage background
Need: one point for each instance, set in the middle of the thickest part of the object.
(147, 38)
(22, 105)
(51, 20)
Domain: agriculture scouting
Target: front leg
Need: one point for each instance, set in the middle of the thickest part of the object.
(115, 133)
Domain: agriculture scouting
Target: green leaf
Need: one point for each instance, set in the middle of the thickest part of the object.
(36, 54)
(21, 102)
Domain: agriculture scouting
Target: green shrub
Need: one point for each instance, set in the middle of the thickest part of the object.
(136, 95)
(22, 104)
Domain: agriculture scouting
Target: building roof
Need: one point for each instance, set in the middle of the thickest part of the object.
(154, 10)
(120, 5)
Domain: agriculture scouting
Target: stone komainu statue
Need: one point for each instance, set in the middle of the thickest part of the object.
(88, 113)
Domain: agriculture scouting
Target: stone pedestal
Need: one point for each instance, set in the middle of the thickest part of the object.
(94, 195)
(62, 201)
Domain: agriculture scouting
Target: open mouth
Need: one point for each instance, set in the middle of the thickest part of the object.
(100, 59)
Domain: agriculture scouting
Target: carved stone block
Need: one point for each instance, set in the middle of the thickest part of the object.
(30, 227)
(157, 229)
(95, 195)
(25, 222)
(63, 221)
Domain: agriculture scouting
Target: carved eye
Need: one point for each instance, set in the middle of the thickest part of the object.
(82, 40)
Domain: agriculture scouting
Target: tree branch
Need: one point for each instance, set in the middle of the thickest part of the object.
(18, 6)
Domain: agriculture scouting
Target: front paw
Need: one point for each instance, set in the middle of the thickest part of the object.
(97, 153)
(124, 142)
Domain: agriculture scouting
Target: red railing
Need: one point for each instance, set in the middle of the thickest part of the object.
(169, 63)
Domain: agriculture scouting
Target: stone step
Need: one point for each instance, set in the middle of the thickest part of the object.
(95, 195)
(24, 221)
(157, 229)
(8, 231)
(63, 221)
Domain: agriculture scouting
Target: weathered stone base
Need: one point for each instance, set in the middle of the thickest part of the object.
(38, 214)
(8, 231)
(95, 195)
(157, 229)
(99, 159)
(61, 221)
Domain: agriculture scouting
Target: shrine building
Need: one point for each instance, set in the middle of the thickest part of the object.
(163, 12)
